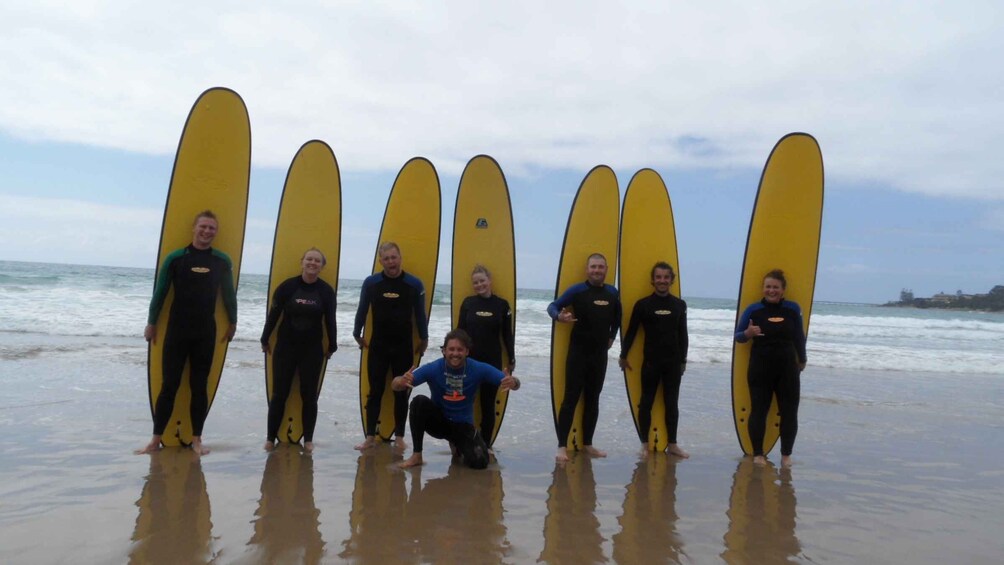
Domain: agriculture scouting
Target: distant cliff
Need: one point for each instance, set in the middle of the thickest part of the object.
(992, 301)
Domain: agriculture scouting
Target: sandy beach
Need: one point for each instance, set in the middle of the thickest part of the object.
(889, 468)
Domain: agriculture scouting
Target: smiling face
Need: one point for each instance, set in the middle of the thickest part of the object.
(482, 284)
(455, 353)
(773, 290)
(204, 232)
(596, 271)
(662, 279)
(311, 264)
(390, 260)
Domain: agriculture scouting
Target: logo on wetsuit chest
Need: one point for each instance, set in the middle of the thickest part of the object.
(391, 295)
(481, 224)
(775, 319)
(663, 312)
(306, 301)
(454, 387)
(601, 302)
(484, 314)
(200, 270)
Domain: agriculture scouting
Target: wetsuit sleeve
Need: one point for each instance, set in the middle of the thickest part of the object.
(744, 322)
(615, 324)
(162, 285)
(681, 332)
(462, 316)
(364, 306)
(421, 322)
(562, 302)
(279, 299)
(627, 338)
(508, 339)
(330, 300)
(227, 289)
(799, 334)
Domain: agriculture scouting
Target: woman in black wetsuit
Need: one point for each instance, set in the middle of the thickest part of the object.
(487, 318)
(776, 360)
(307, 306)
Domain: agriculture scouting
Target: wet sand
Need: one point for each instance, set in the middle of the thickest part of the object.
(889, 468)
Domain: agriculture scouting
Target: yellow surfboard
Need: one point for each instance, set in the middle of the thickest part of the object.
(310, 215)
(784, 234)
(211, 171)
(412, 220)
(648, 235)
(483, 234)
(592, 228)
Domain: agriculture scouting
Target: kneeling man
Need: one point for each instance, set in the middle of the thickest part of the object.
(449, 414)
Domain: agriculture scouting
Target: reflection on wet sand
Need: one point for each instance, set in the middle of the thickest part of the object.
(286, 529)
(761, 516)
(377, 516)
(571, 529)
(458, 518)
(648, 524)
(174, 524)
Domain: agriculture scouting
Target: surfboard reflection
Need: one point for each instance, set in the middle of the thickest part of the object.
(571, 529)
(376, 519)
(761, 516)
(648, 524)
(174, 524)
(458, 518)
(287, 522)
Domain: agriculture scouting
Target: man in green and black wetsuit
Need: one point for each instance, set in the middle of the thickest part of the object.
(197, 272)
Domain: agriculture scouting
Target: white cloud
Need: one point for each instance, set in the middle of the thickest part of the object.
(901, 93)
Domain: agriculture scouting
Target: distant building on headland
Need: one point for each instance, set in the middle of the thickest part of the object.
(992, 301)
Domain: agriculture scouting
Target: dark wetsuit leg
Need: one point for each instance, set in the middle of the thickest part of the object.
(200, 361)
(649, 386)
(380, 362)
(310, 378)
(427, 418)
(283, 369)
(760, 378)
(175, 355)
(788, 392)
(596, 373)
(573, 390)
(671, 378)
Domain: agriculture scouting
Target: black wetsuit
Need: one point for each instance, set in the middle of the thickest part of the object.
(197, 275)
(489, 323)
(307, 310)
(597, 311)
(666, 342)
(773, 368)
(395, 302)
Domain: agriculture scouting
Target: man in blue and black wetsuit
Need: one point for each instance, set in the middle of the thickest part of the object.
(198, 274)
(396, 298)
(595, 309)
(449, 414)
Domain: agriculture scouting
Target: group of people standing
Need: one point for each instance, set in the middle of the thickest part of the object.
(473, 359)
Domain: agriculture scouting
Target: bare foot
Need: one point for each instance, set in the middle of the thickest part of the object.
(197, 446)
(369, 442)
(593, 452)
(644, 451)
(786, 461)
(269, 445)
(308, 446)
(399, 443)
(562, 455)
(414, 461)
(674, 449)
(151, 447)
(759, 460)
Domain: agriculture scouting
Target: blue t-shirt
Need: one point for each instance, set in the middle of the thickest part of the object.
(453, 389)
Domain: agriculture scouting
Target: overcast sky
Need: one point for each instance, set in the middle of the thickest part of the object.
(905, 99)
